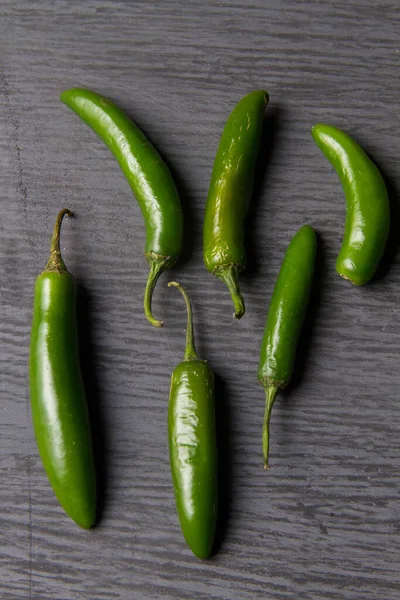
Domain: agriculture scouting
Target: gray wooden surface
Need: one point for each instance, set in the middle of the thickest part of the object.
(323, 523)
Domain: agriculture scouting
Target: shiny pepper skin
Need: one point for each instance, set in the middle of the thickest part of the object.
(192, 445)
(59, 411)
(285, 319)
(367, 204)
(230, 191)
(148, 177)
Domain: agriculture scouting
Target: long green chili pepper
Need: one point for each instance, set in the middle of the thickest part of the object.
(230, 192)
(192, 444)
(59, 411)
(147, 175)
(367, 204)
(285, 320)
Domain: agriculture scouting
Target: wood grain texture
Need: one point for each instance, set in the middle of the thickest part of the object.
(323, 523)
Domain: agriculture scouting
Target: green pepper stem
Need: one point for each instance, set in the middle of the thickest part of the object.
(270, 395)
(56, 262)
(229, 275)
(190, 350)
(156, 268)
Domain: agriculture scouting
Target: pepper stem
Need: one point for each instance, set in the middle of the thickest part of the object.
(229, 275)
(270, 393)
(190, 350)
(56, 262)
(156, 268)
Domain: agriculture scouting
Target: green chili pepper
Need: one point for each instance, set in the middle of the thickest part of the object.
(192, 444)
(59, 411)
(285, 320)
(367, 204)
(147, 175)
(230, 192)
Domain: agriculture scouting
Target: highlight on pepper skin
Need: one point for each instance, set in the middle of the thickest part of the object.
(230, 192)
(148, 176)
(192, 444)
(367, 204)
(284, 323)
(59, 410)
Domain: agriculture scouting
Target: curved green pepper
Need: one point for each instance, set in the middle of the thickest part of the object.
(59, 411)
(192, 445)
(367, 204)
(147, 175)
(285, 320)
(230, 192)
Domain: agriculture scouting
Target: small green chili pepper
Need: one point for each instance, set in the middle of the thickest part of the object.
(59, 411)
(367, 204)
(192, 444)
(147, 175)
(285, 320)
(230, 192)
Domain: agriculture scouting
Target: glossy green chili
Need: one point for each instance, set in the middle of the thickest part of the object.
(192, 444)
(285, 320)
(59, 410)
(147, 175)
(367, 204)
(230, 192)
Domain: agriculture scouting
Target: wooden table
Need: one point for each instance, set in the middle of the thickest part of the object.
(323, 523)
